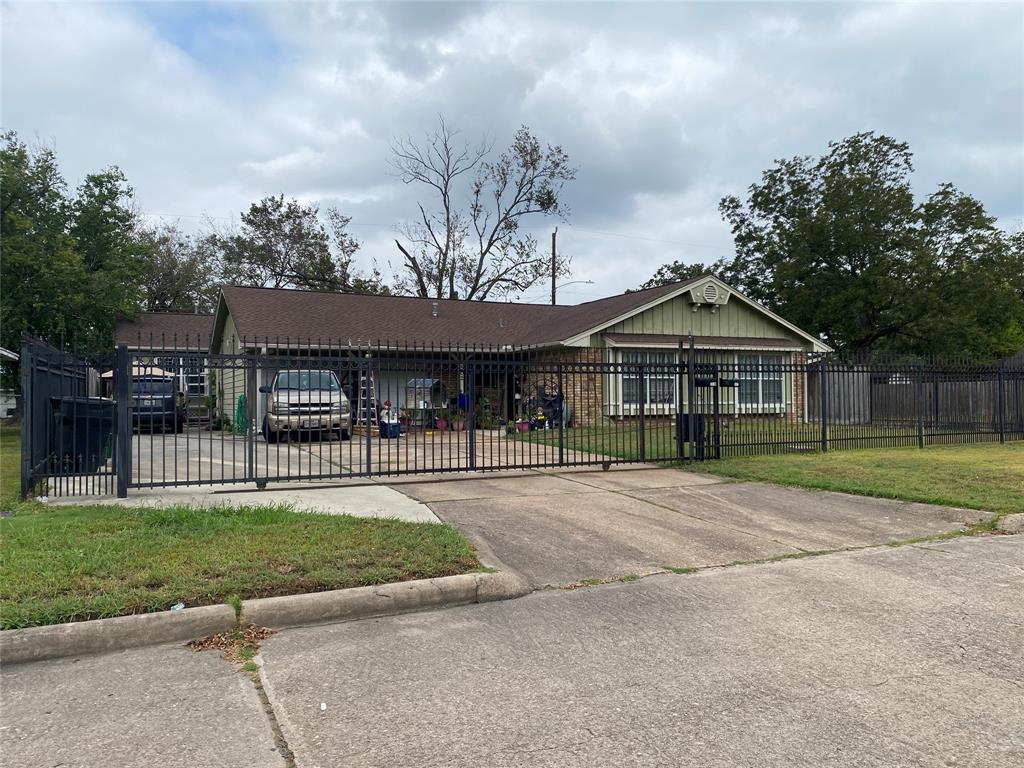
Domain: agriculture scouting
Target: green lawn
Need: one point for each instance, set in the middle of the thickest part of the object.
(755, 436)
(10, 467)
(985, 476)
(71, 563)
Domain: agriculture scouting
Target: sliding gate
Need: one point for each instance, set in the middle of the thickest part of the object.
(178, 415)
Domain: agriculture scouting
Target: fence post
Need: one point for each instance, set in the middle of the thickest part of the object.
(823, 388)
(690, 396)
(122, 394)
(561, 416)
(641, 442)
(27, 364)
(471, 406)
(918, 391)
(1001, 402)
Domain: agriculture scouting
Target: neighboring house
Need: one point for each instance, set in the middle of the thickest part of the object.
(646, 326)
(8, 397)
(180, 342)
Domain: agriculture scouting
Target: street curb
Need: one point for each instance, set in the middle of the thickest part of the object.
(382, 600)
(105, 635)
(80, 638)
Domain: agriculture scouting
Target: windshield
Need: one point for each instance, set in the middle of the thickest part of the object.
(307, 381)
(153, 387)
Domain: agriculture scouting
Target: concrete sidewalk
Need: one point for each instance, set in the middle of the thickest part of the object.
(564, 528)
(883, 657)
(162, 706)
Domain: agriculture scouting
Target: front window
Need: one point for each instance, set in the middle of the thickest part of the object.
(659, 380)
(760, 379)
(307, 381)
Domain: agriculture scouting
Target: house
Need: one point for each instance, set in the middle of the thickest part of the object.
(179, 343)
(478, 339)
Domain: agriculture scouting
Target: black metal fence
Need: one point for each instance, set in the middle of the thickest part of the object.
(67, 430)
(273, 410)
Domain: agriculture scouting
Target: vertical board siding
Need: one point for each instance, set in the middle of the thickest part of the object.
(676, 317)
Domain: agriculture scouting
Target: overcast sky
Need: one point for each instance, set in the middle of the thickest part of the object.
(664, 108)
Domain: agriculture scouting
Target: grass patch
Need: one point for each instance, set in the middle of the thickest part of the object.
(10, 467)
(72, 563)
(984, 476)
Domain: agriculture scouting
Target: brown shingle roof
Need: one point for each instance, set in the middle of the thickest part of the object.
(165, 330)
(309, 315)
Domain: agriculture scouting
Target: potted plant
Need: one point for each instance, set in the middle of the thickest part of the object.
(458, 420)
(441, 421)
(404, 419)
(523, 425)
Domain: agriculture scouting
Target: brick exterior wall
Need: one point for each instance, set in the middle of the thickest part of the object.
(799, 384)
(583, 387)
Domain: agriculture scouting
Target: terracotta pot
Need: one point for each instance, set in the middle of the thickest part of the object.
(459, 425)
(441, 424)
(522, 426)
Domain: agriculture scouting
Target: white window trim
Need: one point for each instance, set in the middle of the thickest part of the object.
(614, 384)
(781, 408)
(620, 408)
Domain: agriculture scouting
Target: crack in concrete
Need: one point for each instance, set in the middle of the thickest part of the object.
(275, 726)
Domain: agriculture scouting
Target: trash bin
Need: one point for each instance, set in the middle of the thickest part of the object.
(698, 429)
(83, 428)
(389, 430)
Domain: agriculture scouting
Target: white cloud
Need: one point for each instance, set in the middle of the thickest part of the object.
(664, 107)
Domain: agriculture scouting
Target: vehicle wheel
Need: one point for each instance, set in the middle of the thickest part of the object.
(344, 435)
(179, 426)
(270, 437)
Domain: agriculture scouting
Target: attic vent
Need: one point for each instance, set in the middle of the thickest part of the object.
(711, 293)
(433, 309)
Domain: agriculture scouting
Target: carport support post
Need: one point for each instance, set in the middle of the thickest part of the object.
(122, 394)
(1001, 402)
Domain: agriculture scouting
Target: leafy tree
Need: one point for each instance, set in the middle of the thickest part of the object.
(40, 270)
(838, 245)
(283, 244)
(181, 271)
(678, 271)
(106, 232)
(468, 243)
(71, 264)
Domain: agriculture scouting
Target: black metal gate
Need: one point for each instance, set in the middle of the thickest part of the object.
(164, 415)
(68, 439)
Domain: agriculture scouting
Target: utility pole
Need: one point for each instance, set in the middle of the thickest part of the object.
(554, 270)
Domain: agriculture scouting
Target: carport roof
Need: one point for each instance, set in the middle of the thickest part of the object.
(275, 313)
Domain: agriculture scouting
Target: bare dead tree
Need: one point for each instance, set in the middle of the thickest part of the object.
(469, 244)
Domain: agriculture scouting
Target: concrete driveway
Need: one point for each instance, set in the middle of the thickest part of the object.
(566, 528)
